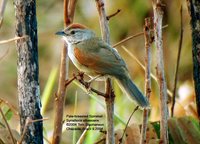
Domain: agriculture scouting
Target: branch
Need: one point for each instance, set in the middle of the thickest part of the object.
(72, 5)
(112, 15)
(158, 17)
(7, 125)
(28, 122)
(148, 43)
(177, 62)
(133, 36)
(109, 100)
(121, 139)
(13, 39)
(13, 108)
(69, 9)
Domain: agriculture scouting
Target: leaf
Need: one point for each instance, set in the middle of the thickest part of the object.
(189, 130)
(174, 131)
(151, 133)
(156, 126)
(184, 130)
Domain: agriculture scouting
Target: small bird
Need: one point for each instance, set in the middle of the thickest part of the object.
(91, 55)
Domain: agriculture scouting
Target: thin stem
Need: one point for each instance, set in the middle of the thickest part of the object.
(177, 63)
(7, 125)
(109, 100)
(28, 122)
(12, 39)
(60, 96)
(148, 42)
(158, 17)
(121, 139)
(133, 36)
(112, 15)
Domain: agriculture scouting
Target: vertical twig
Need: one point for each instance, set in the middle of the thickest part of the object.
(7, 125)
(60, 96)
(2, 10)
(110, 95)
(148, 42)
(158, 17)
(177, 63)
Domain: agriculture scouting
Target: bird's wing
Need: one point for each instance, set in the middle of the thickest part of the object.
(100, 57)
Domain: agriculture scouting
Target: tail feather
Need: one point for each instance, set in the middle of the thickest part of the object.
(133, 91)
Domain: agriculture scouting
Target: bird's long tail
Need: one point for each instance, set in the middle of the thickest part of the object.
(133, 91)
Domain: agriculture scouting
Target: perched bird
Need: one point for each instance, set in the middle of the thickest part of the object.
(91, 55)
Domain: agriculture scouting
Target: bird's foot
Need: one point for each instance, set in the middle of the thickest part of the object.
(88, 87)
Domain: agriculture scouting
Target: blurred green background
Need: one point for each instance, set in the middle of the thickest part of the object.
(128, 22)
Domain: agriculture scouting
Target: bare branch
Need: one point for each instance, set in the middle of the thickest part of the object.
(28, 122)
(72, 5)
(177, 63)
(7, 125)
(133, 36)
(158, 17)
(112, 15)
(109, 100)
(13, 39)
(69, 9)
(13, 108)
(121, 139)
(148, 43)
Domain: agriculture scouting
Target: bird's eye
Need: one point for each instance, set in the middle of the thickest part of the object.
(72, 32)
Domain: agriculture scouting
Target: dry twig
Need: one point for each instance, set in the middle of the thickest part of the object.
(28, 122)
(13, 39)
(7, 125)
(158, 17)
(109, 100)
(13, 108)
(177, 63)
(148, 42)
(121, 139)
(114, 14)
(69, 8)
(133, 36)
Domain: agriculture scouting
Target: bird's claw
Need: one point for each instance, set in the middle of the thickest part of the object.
(88, 87)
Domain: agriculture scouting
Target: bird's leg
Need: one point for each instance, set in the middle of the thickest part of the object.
(91, 80)
(94, 78)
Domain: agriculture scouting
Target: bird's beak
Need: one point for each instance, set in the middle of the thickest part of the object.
(60, 33)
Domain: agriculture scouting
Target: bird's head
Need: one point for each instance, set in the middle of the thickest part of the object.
(76, 33)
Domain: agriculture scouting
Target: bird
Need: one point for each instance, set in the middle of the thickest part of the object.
(96, 58)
